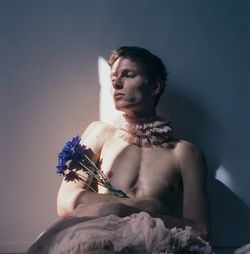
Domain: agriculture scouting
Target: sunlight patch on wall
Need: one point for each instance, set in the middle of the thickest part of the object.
(107, 111)
(223, 176)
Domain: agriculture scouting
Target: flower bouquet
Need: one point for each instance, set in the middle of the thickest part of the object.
(74, 157)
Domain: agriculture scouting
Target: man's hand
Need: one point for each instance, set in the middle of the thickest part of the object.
(150, 205)
(94, 204)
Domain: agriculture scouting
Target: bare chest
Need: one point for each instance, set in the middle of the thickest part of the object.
(141, 172)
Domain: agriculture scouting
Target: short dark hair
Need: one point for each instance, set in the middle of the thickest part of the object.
(151, 64)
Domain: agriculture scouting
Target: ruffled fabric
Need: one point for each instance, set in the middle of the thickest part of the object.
(138, 233)
(150, 132)
(243, 250)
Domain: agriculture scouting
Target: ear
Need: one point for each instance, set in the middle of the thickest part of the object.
(157, 86)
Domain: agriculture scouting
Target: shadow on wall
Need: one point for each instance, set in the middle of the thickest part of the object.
(229, 215)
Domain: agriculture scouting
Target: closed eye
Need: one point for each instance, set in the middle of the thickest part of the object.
(130, 74)
(124, 73)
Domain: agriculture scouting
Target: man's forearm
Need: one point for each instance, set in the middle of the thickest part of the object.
(126, 206)
(87, 197)
(94, 204)
(148, 205)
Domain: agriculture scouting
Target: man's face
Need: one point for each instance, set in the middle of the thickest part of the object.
(131, 90)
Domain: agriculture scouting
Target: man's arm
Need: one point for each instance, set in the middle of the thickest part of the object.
(93, 138)
(94, 204)
(195, 198)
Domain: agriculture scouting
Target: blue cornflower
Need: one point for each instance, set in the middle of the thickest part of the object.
(72, 151)
(74, 156)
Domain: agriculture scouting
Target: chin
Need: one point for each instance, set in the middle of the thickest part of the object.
(127, 110)
(127, 107)
(121, 107)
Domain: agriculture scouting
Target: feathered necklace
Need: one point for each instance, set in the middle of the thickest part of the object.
(146, 132)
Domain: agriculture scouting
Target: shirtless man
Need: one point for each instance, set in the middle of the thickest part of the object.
(154, 177)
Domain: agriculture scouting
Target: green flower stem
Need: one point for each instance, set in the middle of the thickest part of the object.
(96, 168)
(86, 181)
(103, 182)
(91, 173)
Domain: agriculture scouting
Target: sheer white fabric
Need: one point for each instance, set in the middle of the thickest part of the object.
(138, 233)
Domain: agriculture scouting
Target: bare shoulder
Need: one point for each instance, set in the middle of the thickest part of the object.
(96, 134)
(98, 128)
(184, 148)
(189, 156)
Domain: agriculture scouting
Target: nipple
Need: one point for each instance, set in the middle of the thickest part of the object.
(110, 174)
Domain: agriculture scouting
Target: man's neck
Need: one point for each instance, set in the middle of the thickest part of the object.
(139, 116)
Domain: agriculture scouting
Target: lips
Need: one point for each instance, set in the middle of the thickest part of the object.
(117, 95)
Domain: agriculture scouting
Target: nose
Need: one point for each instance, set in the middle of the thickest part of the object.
(117, 83)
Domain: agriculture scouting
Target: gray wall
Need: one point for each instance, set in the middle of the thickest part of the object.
(49, 92)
